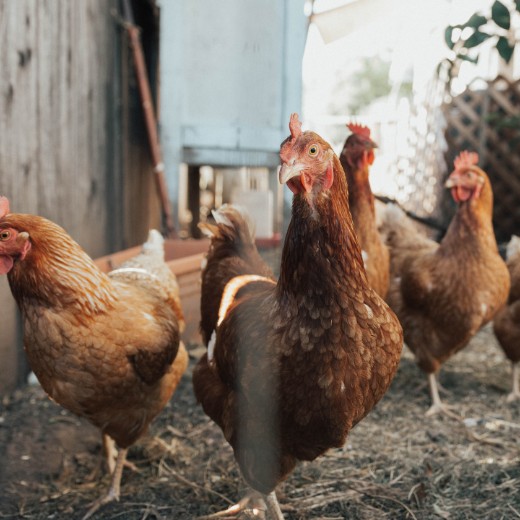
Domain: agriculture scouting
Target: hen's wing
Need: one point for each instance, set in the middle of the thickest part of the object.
(513, 264)
(506, 324)
(236, 383)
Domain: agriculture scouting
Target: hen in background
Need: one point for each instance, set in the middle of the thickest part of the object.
(356, 158)
(444, 293)
(292, 365)
(506, 324)
(106, 348)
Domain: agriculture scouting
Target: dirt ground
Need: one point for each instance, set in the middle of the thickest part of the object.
(396, 464)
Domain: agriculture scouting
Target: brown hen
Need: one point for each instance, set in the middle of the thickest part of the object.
(356, 158)
(444, 293)
(104, 347)
(507, 321)
(292, 365)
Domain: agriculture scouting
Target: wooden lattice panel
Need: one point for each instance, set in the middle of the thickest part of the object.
(476, 121)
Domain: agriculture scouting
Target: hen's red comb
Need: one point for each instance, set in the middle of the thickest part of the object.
(4, 206)
(465, 160)
(361, 130)
(295, 126)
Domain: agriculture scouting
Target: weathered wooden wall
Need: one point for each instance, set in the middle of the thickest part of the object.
(58, 63)
(72, 147)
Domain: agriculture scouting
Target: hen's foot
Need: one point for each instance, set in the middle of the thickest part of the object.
(512, 397)
(110, 497)
(251, 506)
(442, 389)
(254, 506)
(441, 408)
(437, 405)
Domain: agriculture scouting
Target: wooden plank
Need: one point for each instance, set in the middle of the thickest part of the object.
(173, 248)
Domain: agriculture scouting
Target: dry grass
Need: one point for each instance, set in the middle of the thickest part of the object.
(397, 463)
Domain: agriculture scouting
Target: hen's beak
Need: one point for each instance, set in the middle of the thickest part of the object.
(289, 170)
(450, 183)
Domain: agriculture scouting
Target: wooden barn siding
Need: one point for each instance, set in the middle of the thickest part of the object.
(71, 138)
(58, 62)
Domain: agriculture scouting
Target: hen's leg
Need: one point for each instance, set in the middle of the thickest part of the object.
(115, 485)
(515, 387)
(437, 405)
(110, 452)
(273, 506)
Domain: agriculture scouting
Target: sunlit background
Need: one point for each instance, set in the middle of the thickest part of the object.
(374, 61)
(385, 64)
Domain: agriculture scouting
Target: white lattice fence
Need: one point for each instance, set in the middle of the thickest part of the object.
(420, 172)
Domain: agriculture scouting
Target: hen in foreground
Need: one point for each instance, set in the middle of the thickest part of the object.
(507, 321)
(356, 157)
(292, 365)
(444, 293)
(104, 347)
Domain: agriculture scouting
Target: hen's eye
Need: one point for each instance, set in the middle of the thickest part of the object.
(313, 150)
(5, 235)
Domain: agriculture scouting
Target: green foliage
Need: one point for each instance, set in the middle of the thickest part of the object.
(463, 37)
(357, 90)
(504, 49)
(370, 82)
(500, 15)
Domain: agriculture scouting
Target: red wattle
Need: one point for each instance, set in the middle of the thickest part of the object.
(6, 263)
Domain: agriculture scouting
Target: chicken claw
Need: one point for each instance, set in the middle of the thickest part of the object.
(438, 406)
(252, 505)
(443, 409)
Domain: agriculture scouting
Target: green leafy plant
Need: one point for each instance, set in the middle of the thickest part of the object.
(479, 28)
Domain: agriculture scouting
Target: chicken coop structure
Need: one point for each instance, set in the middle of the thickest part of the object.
(230, 77)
